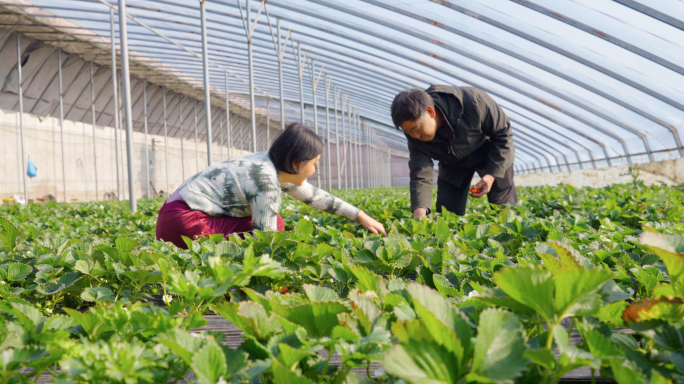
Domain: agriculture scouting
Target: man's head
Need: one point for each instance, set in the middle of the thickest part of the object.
(413, 111)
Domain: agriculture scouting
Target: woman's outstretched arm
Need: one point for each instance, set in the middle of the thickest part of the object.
(324, 201)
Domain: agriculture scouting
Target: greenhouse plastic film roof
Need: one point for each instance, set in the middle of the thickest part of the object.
(585, 83)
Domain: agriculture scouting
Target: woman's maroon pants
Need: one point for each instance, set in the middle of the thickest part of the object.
(177, 219)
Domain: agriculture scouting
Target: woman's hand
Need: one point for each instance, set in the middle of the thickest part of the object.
(370, 224)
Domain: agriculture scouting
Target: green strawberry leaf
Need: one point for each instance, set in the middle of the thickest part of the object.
(18, 271)
(97, 294)
(283, 375)
(318, 293)
(209, 364)
(318, 318)
(421, 362)
(576, 291)
(530, 286)
(500, 346)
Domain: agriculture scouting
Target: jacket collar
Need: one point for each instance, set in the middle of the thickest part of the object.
(449, 99)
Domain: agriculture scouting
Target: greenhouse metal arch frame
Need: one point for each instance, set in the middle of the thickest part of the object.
(571, 105)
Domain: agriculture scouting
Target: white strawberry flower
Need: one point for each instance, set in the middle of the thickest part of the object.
(473, 294)
(168, 299)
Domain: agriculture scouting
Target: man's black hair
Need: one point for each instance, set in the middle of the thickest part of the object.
(295, 145)
(409, 105)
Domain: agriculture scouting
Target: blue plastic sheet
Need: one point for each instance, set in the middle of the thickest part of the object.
(32, 170)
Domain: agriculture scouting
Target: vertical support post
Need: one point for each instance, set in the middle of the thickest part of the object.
(377, 157)
(384, 166)
(147, 151)
(250, 58)
(364, 131)
(205, 67)
(355, 145)
(300, 67)
(344, 139)
(196, 142)
(180, 118)
(380, 154)
(122, 136)
(227, 115)
(370, 159)
(21, 119)
(127, 102)
(314, 86)
(359, 168)
(115, 97)
(366, 147)
(327, 127)
(223, 143)
(268, 123)
(92, 111)
(372, 163)
(390, 182)
(338, 146)
(357, 150)
(352, 146)
(370, 144)
(371, 138)
(61, 127)
(355, 154)
(280, 81)
(369, 154)
(166, 145)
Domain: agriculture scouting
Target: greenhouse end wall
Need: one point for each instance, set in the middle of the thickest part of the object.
(43, 145)
(668, 172)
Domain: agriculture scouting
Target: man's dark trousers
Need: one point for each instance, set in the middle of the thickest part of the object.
(454, 198)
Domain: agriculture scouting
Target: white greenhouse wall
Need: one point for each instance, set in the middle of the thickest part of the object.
(43, 144)
(669, 172)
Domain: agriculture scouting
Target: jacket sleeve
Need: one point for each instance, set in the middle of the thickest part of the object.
(264, 205)
(420, 168)
(497, 126)
(320, 199)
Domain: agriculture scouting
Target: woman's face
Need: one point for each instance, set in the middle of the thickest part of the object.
(307, 168)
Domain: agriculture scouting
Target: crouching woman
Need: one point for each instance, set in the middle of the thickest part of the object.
(244, 193)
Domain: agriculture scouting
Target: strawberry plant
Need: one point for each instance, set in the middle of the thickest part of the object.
(567, 278)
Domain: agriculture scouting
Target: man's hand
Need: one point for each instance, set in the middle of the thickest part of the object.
(485, 185)
(419, 213)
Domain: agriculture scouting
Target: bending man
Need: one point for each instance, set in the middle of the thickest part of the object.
(467, 132)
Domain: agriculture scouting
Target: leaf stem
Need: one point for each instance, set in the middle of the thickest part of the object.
(327, 362)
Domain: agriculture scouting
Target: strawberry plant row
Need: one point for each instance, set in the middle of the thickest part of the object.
(493, 296)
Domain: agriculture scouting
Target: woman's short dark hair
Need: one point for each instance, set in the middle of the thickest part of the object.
(295, 145)
(409, 105)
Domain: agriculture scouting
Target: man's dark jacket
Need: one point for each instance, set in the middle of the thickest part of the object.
(477, 135)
